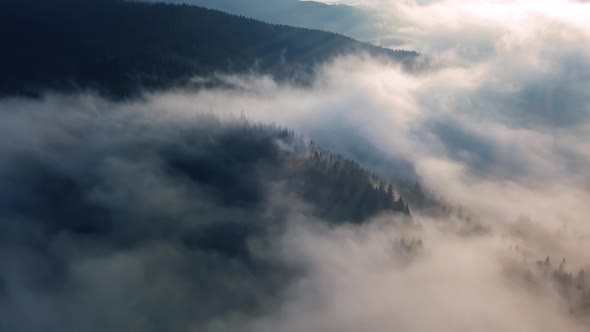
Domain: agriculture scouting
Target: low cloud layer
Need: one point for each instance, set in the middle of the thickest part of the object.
(357, 282)
(499, 126)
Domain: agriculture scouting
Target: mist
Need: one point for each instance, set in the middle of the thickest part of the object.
(134, 239)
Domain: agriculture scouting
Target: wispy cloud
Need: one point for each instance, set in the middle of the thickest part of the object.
(500, 125)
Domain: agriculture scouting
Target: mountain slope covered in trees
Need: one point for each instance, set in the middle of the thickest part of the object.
(201, 199)
(121, 48)
(357, 22)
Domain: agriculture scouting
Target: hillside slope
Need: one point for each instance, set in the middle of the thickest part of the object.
(93, 199)
(121, 48)
(357, 22)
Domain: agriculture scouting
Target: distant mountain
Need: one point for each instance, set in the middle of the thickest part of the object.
(357, 22)
(122, 48)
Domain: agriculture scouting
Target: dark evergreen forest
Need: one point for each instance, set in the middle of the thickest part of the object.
(123, 48)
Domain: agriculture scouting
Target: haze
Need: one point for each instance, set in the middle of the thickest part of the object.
(177, 208)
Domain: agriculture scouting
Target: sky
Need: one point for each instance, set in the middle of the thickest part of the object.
(498, 122)
(411, 23)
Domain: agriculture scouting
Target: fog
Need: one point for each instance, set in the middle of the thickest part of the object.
(499, 125)
(458, 284)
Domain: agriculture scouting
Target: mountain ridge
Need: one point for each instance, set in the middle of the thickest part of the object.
(91, 45)
(356, 22)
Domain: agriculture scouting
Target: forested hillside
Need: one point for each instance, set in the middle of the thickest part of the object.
(230, 165)
(208, 190)
(357, 22)
(121, 48)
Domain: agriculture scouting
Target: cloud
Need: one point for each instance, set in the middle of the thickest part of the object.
(128, 215)
(115, 216)
(356, 282)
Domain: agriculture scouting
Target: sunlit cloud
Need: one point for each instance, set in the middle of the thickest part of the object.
(499, 126)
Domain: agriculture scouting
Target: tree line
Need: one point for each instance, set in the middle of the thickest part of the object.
(121, 48)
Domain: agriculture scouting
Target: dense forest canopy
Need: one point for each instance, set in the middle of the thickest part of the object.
(354, 21)
(105, 183)
(121, 48)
